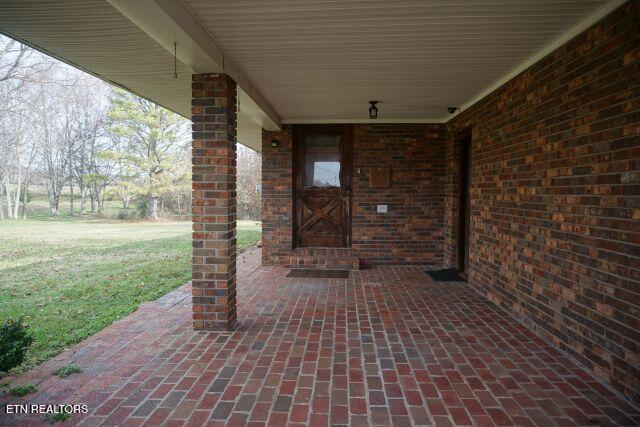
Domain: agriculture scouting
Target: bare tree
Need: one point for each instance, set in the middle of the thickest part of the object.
(68, 134)
(55, 135)
(17, 165)
(91, 138)
(248, 187)
(19, 69)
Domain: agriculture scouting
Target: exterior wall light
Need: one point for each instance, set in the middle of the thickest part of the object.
(373, 110)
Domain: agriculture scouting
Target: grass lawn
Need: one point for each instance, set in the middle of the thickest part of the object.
(70, 278)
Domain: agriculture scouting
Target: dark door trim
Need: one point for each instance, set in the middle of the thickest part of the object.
(463, 141)
(297, 170)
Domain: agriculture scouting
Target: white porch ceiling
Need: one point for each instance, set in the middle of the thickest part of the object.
(95, 37)
(324, 60)
(306, 61)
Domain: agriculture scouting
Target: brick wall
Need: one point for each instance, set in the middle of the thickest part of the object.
(555, 197)
(410, 233)
(277, 197)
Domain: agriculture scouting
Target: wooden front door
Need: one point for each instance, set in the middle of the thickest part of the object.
(322, 178)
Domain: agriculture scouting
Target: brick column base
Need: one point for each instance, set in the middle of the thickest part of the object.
(213, 115)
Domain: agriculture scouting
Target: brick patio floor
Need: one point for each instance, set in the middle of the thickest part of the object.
(384, 347)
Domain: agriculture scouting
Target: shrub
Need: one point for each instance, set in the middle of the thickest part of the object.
(127, 214)
(22, 390)
(60, 417)
(65, 371)
(142, 207)
(15, 340)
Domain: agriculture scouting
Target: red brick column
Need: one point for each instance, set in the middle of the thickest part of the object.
(213, 115)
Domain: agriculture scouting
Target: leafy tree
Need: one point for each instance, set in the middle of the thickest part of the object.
(149, 140)
(65, 134)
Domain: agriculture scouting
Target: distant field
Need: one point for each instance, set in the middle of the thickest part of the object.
(69, 278)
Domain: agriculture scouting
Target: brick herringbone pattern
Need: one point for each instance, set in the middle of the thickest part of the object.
(383, 347)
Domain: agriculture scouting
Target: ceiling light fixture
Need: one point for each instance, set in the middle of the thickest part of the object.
(373, 110)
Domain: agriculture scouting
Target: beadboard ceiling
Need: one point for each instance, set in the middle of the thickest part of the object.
(93, 36)
(309, 60)
(318, 60)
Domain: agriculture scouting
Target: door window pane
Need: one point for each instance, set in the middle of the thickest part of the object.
(322, 161)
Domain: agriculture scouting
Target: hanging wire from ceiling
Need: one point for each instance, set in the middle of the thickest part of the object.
(175, 60)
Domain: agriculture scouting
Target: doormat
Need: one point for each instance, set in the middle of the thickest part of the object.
(446, 275)
(318, 274)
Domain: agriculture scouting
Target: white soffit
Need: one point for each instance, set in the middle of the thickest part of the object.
(174, 27)
(322, 61)
(306, 61)
(93, 36)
